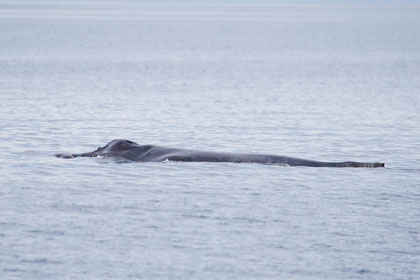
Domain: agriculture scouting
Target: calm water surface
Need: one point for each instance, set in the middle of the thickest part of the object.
(318, 81)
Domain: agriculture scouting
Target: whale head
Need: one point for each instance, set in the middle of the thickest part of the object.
(115, 148)
(117, 145)
(123, 148)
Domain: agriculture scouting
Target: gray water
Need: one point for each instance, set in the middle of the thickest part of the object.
(322, 81)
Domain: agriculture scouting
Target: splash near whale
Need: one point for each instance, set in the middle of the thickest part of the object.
(149, 153)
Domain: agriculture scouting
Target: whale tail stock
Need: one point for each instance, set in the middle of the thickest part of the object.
(358, 164)
(312, 163)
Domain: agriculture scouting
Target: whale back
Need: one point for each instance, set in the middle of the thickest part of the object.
(135, 152)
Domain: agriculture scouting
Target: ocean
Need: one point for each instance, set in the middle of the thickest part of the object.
(325, 80)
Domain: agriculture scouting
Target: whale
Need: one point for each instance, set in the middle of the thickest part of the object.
(150, 153)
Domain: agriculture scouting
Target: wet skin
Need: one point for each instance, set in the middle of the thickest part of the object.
(149, 153)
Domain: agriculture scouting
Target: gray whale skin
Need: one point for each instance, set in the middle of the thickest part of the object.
(148, 153)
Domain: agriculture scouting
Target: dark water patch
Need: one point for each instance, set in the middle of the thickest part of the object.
(40, 261)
